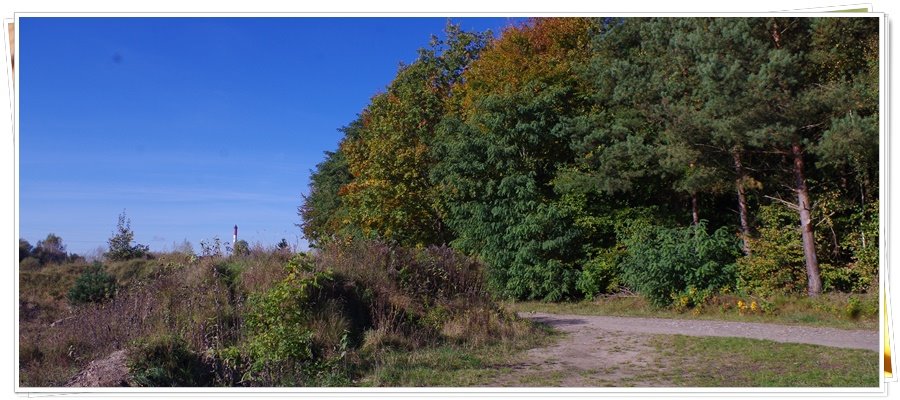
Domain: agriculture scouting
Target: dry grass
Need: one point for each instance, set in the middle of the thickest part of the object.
(380, 300)
(189, 301)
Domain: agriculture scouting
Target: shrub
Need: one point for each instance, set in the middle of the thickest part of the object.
(211, 249)
(283, 246)
(357, 299)
(280, 345)
(600, 274)
(241, 248)
(161, 361)
(776, 264)
(29, 264)
(93, 285)
(25, 249)
(842, 279)
(863, 242)
(120, 247)
(665, 264)
(51, 250)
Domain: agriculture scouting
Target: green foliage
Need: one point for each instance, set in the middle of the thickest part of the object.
(241, 248)
(51, 250)
(498, 154)
(93, 285)
(864, 244)
(275, 322)
(24, 249)
(120, 247)
(283, 245)
(322, 212)
(166, 361)
(664, 263)
(390, 196)
(228, 272)
(776, 265)
(531, 151)
(600, 274)
(354, 300)
(842, 279)
(281, 343)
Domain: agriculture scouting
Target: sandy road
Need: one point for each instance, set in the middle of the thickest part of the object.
(850, 339)
(617, 351)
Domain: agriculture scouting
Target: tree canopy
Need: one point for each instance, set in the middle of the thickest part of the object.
(542, 150)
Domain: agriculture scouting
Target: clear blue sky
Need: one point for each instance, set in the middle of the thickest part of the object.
(192, 125)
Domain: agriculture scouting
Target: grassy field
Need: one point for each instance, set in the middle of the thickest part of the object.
(829, 310)
(452, 366)
(732, 362)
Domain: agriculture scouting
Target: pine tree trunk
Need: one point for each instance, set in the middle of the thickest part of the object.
(695, 210)
(814, 282)
(742, 202)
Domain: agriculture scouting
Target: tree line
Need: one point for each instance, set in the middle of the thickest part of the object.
(578, 156)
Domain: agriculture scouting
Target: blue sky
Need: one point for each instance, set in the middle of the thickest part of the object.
(192, 125)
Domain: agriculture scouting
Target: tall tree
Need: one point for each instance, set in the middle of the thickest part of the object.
(25, 249)
(390, 195)
(50, 250)
(804, 102)
(323, 215)
(721, 54)
(500, 152)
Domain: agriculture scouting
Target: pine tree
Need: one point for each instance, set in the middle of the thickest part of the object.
(120, 247)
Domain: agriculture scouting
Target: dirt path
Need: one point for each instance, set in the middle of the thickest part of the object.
(616, 351)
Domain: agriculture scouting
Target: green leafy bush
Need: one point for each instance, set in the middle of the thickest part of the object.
(284, 328)
(840, 278)
(166, 361)
(356, 300)
(776, 264)
(863, 243)
(600, 274)
(93, 285)
(665, 263)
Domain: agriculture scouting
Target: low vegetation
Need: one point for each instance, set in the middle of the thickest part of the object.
(94, 285)
(733, 362)
(837, 310)
(345, 315)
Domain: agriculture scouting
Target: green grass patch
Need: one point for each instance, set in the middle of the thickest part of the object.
(736, 362)
(452, 365)
(829, 310)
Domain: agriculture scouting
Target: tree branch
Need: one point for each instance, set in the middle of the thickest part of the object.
(787, 203)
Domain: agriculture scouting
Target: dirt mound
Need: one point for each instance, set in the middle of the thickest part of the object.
(107, 372)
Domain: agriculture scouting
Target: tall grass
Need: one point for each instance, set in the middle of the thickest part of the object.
(369, 300)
